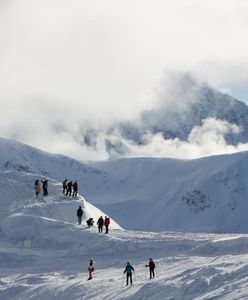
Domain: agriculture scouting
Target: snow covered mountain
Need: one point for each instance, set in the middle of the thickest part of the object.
(186, 105)
(180, 107)
(44, 254)
(208, 194)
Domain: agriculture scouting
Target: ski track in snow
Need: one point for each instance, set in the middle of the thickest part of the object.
(54, 266)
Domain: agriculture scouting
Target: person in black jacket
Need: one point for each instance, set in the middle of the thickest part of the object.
(75, 189)
(100, 223)
(90, 222)
(80, 215)
(64, 184)
(45, 187)
(69, 188)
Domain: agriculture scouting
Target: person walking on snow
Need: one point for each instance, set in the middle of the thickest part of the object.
(37, 187)
(75, 189)
(80, 215)
(151, 266)
(64, 184)
(45, 187)
(69, 188)
(100, 223)
(91, 268)
(106, 223)
(129, 269)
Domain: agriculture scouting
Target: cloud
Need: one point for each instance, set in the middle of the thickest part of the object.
(205, 140)
(65, 64)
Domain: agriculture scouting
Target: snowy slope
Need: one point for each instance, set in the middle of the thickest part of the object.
(19, 204)
(208, 194)
(44, 254)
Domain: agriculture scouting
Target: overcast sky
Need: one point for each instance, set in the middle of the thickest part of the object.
(66, 62)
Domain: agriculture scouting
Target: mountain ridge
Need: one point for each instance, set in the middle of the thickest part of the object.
(206, 194)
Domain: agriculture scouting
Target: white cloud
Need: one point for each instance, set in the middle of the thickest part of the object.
(205, 140)
(64, 63)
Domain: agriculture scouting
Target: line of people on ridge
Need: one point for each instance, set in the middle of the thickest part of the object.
(70, 188)
(129, 269)
(44, 187)
(90, 222)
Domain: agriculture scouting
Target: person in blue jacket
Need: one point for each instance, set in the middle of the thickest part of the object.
(129, 269)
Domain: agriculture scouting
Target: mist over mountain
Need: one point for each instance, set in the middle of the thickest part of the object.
(188, 120)
(184, 105)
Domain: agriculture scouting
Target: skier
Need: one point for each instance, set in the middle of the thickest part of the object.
(64, 184)
(79, 215)
(129, 269)
(106, 223)
(91, 268)
(151, 266)
(45, 187)
(75, 189)
(90, 222)
(37, 187)
(100, 224)
(69, 186)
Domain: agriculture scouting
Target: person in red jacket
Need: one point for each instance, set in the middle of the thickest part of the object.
(151, 266)
(106, 223)
(91, 268)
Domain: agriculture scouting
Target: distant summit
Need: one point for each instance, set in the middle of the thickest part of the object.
(184, 105)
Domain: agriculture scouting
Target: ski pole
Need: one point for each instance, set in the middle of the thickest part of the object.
(134, 276)
(145, 272)
(157, 273)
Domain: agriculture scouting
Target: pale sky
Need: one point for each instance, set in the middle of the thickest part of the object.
(66, 62)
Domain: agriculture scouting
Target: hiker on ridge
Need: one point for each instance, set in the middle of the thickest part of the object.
(69, 188)
(100, 223)
(37, 187)
(75, 189)
(64, 184)
(80, 215)
(106, 223)
(45, 187)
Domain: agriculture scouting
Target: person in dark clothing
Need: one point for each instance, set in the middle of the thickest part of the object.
(75, 189)
(106, 223)
(100, 223)
(80, 215)
(69, 188)
(151, 266)
(91, 268)
(45, 187)
(37, 187)
(64, 184)
(90, 222)
(129, 269)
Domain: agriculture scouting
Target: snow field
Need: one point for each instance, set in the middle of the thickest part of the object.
(44, 254)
